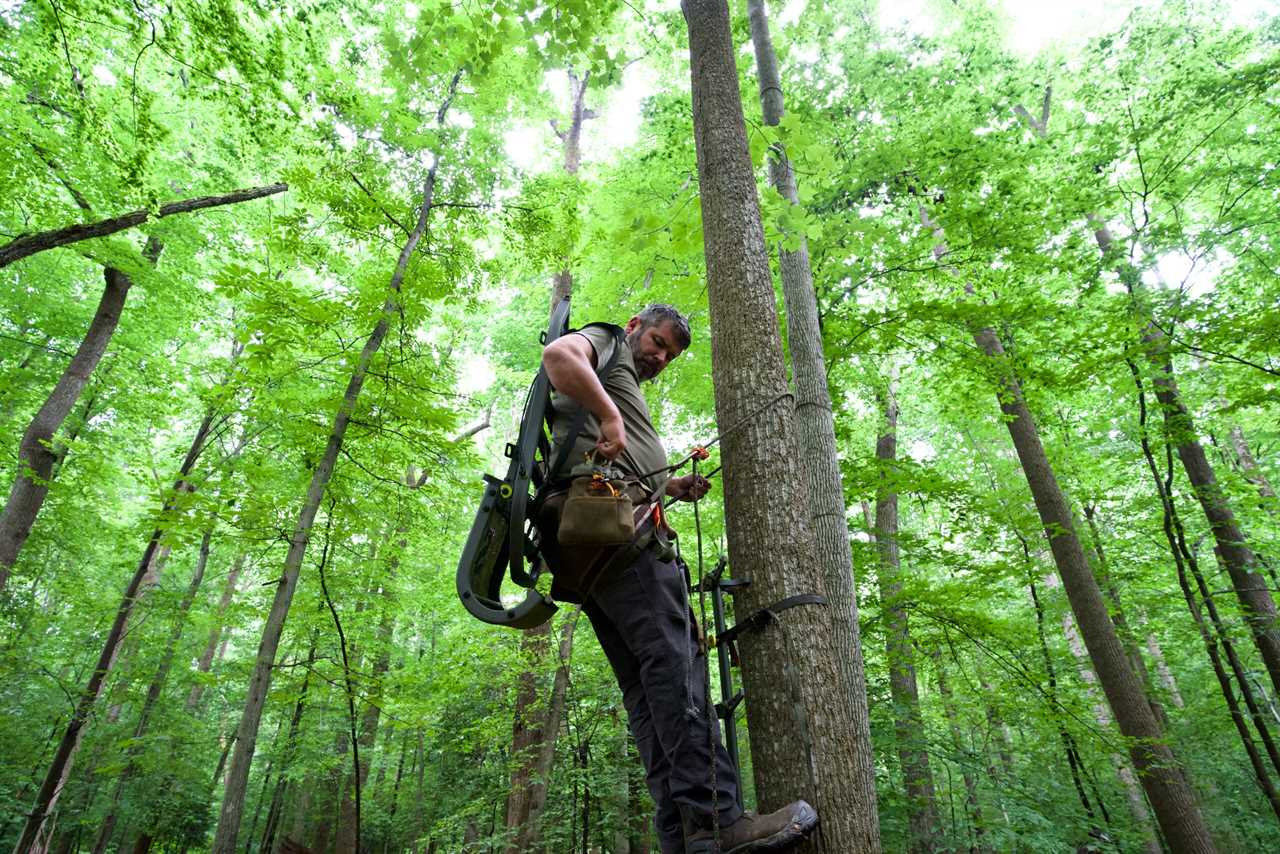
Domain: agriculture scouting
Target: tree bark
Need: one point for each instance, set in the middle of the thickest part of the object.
(64, 756)
(801, 709)
(205, 662)
(923, 824)
(815, 431)
(233, 800)
(30, 244)
(1175, 805)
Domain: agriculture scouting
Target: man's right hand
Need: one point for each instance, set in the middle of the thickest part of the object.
(613, 437)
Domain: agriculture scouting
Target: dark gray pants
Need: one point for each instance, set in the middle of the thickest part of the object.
(647, 630)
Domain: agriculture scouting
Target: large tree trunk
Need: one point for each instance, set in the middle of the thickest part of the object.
(529, 734)
(233, 800)
(153, 695)
(815, 431)
(205, 662)
(923, 825)
(1175, 805)
(63, 759)
(800, 711)
(529, 837)
(30, 244)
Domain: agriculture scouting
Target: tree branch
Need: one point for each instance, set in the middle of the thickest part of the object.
(30, 244)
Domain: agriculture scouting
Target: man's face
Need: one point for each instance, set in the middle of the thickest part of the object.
(652, 347)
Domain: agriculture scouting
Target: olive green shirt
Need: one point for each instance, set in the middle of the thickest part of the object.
(644, 452)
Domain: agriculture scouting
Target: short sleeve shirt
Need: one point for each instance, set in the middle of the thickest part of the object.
(644, 452)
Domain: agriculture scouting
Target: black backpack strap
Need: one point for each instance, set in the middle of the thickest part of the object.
(580, 419)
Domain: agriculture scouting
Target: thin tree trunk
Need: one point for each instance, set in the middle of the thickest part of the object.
(347, 840)
(153, 696)
(1127, 637)
(64, 756)
(30, 244)
(233, 800)
(815, 431)
(1172, 799)
(964, 757)
(275, 813)
(923, 824)
(1219, 638)
(205, 662)
(527, 735)
(1252, 471)
(1162, 670)
(801, 716)
(530, 836)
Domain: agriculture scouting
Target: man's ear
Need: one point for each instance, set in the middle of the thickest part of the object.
(632, 325)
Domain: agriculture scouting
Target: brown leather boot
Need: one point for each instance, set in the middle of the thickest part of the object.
(776, 831)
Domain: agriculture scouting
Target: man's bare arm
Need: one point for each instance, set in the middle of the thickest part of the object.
(570, 362)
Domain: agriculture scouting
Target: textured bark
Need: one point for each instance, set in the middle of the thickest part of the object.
(801, 709)
(1175, 805)
(529, 837)
(30, 244)
(238, 776)
(153, 695)
(923, 824)
(205, 662)
(815, 431)
(32, 833)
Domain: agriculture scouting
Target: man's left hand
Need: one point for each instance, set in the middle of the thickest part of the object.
(691, 487)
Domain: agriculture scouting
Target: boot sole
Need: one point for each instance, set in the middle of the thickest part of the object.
(806, 819)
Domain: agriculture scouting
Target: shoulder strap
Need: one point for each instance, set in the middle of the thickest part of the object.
(580, 419)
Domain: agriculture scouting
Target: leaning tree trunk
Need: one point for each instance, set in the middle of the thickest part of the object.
(1133, 792)
(153, 696)
(815, 431)
(1251, 589)
(30, 840)
(224, 841)
(800, 711)
(923, 824)
(1252, 471)
(1175, 805)
(36, 451)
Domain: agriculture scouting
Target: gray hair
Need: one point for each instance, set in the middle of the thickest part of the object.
(660, 312)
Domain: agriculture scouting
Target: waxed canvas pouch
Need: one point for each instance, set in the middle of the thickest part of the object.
(597, 512)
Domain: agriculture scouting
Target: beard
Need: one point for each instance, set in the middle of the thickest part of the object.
(646, 369)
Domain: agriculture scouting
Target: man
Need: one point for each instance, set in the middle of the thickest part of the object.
(641, 612)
